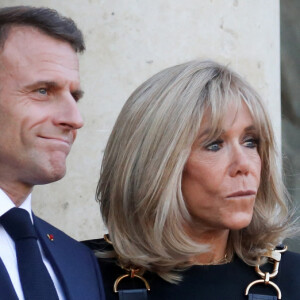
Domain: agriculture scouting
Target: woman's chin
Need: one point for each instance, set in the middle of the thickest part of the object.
(239, 222)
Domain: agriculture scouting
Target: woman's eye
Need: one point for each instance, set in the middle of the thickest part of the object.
(251, 143)
(214, 146)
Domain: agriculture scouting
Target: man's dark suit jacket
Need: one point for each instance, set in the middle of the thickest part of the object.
(73, 263)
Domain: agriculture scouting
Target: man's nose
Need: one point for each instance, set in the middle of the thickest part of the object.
(68, 114)
(240, 162)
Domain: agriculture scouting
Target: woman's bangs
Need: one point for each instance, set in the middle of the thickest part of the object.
(259, 118)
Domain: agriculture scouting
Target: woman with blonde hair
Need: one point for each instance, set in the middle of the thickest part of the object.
(191, 193)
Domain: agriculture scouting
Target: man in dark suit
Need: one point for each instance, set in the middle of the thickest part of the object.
(39, 118)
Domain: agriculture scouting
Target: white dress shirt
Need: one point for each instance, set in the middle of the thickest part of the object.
(8, 250)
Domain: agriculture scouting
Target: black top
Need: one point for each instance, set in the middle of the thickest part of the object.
(214, 282)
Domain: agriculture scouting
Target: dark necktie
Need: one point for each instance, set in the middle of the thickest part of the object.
(35, 279)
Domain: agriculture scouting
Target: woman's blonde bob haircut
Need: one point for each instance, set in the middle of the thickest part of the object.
(140, 184)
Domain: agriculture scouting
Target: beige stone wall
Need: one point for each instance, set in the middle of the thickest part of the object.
(128, 41)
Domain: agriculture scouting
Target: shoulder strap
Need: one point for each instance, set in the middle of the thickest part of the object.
(137, 294)
(129, 294)
(261, 297)
(274, 257)
(134, 294)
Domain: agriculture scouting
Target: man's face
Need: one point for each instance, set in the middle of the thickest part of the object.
(39, 90)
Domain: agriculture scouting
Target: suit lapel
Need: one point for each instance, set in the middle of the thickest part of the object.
(7, 290)
(54, 250)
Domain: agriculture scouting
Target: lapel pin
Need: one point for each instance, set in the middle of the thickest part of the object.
(50, 237)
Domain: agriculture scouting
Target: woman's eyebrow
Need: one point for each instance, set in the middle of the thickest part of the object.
(250, 128)
(207, 131)
(203, 133)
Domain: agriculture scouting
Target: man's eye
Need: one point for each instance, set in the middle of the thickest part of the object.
(76, 97)
(214, 146)
(42, 91)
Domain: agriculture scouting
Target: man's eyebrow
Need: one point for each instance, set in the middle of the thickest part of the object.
(78, 93)
(46, 83)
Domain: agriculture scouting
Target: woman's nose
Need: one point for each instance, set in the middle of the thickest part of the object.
(239, 162)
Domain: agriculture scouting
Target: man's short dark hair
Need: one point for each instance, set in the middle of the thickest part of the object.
(47, 20)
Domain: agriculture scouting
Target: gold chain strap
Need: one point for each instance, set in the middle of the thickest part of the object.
(274, 256)
(132, 272)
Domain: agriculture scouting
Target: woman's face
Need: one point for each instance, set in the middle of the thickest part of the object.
(221, 178)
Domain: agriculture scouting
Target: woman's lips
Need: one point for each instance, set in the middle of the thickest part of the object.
(242, 194)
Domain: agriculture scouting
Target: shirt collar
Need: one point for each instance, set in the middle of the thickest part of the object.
(6, 204)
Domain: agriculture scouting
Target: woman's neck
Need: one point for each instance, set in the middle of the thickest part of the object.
(217, 241)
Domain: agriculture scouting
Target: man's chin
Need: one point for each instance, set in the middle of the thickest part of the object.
(57, 176)
(50, 175)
